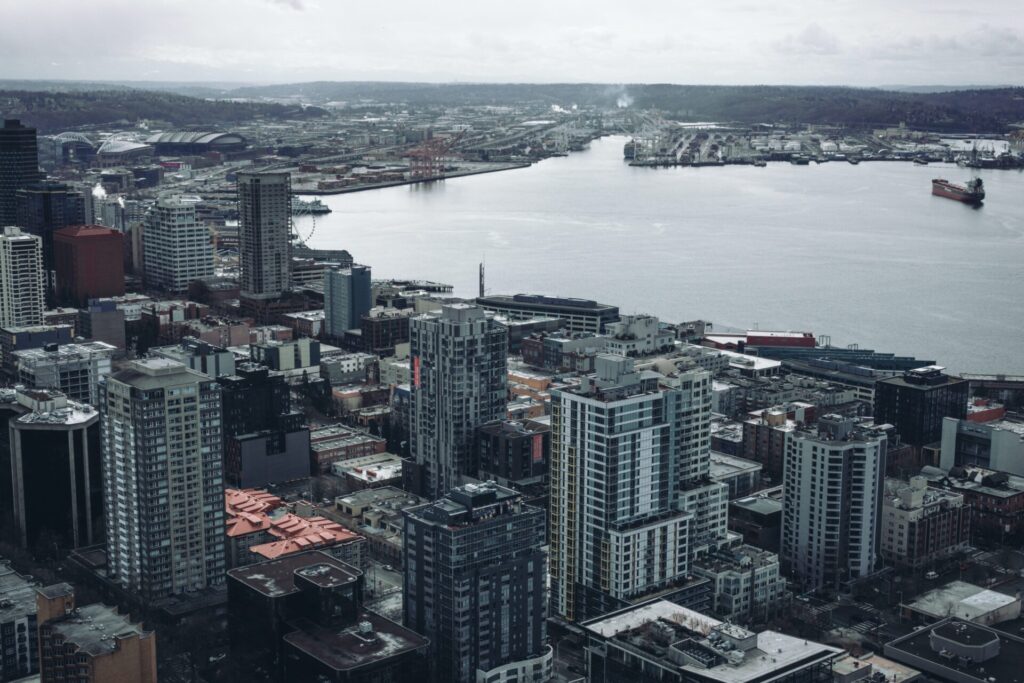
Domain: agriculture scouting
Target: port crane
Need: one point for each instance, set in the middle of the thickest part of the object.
(426, 162)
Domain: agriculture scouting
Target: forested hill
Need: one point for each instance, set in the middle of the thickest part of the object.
(52, 112)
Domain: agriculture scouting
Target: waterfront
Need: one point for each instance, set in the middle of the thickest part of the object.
(862, 253)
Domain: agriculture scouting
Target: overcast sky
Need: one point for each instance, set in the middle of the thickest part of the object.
(861, 42)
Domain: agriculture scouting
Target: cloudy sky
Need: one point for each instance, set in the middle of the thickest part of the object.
(855, 42)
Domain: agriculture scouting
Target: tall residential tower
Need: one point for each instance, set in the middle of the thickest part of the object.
(264, 233)
(21, 279)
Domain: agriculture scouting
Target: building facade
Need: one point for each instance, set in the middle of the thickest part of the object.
(19, 166)
(922, 525)
(475, 578)
(833, 487)
(459, 366)
(347, 298)
(631, 502)
(917, 402)
(163, 478)
(22, 299)
(89, 263)
(74, 369)
(178, 248)
(264, 233)
(579, 315)
(55, 449)
(995, 445)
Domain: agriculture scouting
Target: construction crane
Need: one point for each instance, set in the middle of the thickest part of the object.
(426, 162)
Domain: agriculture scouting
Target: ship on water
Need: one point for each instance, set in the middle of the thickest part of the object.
(301, 206)
(972, 193)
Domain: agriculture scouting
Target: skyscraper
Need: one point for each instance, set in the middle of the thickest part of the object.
(42, 209)
(88, 261)
(21, 279)
(264, 233)
(475, 577)
(459, 367)
(177, 248)
(831, 512)
(163, 478)
(631, 502)
(19, 166)
(346, 298)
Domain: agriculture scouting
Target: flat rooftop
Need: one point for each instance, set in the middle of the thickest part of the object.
(916, 649)
(17, 595)
(372, 638)
(960, 599)
(276, 578)
(96, 628)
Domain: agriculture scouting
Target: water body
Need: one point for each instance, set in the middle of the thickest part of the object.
(862, 253)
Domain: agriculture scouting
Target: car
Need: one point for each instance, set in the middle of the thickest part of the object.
(931, 575)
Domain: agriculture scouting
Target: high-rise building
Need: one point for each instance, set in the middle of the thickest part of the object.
(90, 643)
(832, 506)
(475, 578)
(346, 299)
(19, 166)
(264, 233)
(42, 209)
(265, 441)
(917, 401)
(631, 498)
(55, 447)
(178, 248)
(21, 279)
(163, 478)
(459, 368)
(89, 263)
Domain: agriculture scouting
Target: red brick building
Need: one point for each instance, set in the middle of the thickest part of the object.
(89, 260)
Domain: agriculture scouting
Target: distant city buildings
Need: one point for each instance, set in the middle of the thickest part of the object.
(833, 498)
(346, 299)
(22, 297)
(265, 211)
(475, 576)
(459, 361)
(163, 479)
(178, 248)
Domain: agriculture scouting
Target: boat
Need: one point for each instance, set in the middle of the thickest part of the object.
(921, 162)
(760, 163)
(301, 206)
(799, 160)
(972, 193)
(629, 150)
(853, 160)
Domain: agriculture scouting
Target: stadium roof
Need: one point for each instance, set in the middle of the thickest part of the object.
(187, 137)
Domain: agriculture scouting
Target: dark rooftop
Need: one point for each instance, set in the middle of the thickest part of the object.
(1005, 667)
(276, 578)
(17, 595)
(371, 639)
(96, 628)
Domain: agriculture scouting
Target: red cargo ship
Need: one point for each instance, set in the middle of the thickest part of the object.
(973, 193)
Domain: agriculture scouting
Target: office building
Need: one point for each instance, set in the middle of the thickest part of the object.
(960, 651)
(459, 383)
(475, 577)
(55, 447)
(91, 643)
(297, 354)
(22, 299)
(178, 248)
(513, 452)
(346, 299)
(383, 329)
(46, 207)
(638, 335)
(631, 501)
(89, 263)
(917, 401)
(264, 233)
(74, 369)
(301, 618)
(104, 320)
(19, 166)
(832, 508)
(19, 657)
(265, 441)
(922, 525)
(746, 583)
(17, 338)
(662, 641)
(163, 478)
(758, 519)
(579, 315)
(994, 445)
